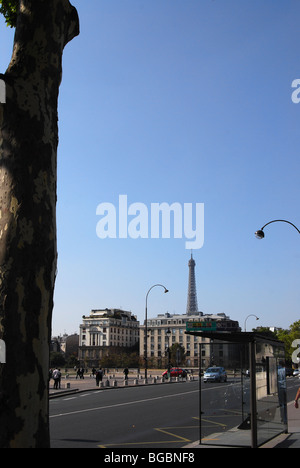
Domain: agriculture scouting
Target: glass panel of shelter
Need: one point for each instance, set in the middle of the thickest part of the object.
(271, 392)
(225, 407)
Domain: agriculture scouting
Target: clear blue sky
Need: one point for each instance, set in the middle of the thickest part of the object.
(184, 101)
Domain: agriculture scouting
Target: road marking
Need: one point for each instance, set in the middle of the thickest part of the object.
(213, 422)
(171, 434)
(118, 405)
(163, 431)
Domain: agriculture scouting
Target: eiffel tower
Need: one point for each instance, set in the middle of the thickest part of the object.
(192, 304)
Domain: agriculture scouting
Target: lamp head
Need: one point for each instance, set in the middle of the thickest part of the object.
(260, 234)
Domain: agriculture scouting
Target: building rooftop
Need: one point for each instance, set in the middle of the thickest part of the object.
(110, 313)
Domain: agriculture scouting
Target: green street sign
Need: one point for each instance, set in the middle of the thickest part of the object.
(203, 326)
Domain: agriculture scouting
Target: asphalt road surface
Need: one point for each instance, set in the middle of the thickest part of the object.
(157, 416)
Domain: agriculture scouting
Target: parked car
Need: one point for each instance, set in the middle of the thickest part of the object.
(296, 373)
(175, 372)
(215, 374)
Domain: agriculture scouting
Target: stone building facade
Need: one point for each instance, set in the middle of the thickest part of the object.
(106, 331)
(165, 330)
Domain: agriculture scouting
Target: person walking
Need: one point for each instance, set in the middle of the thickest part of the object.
(56, 377)
(99, 376)
(126, 372)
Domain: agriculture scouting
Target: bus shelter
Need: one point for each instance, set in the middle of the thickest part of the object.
(249, 406)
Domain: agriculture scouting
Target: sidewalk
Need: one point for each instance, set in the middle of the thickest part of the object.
(229, 438)
(292, 439)
(72, 385)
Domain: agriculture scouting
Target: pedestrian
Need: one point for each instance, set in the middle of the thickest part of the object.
(99, 376)
(297, 398)
(56, 377)
(126, 372)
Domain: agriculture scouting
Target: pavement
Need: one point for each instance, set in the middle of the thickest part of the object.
(69, 384)
(292, 439)
(232, 437)
(72, 385)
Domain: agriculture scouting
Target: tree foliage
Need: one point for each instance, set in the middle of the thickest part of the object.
(177, 354)
(9, 9)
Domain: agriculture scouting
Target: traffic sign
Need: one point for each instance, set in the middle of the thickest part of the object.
(204, 325)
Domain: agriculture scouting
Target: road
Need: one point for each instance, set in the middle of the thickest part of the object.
(156, 416)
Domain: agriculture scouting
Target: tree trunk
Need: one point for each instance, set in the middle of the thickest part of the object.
(28, 254)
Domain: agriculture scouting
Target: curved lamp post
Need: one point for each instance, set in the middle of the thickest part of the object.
(146, 326)
(260, 233)
(168, 334)
(251, 315)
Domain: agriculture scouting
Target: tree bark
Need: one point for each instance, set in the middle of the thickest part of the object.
(28, 251)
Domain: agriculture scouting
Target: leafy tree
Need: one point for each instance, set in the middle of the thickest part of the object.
(265, 331)
(57, 360)
(28, 251)
(9, 10)
(177, 354)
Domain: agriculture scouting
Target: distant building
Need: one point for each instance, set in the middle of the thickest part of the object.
(168, 329)
(72, 345)
(66, 344)
(106, 331)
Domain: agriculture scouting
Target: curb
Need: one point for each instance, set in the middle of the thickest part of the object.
(76, 391)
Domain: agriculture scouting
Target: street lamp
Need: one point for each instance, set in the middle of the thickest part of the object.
(251, 315)
(168, 334)
(146, 326)
(260, 233)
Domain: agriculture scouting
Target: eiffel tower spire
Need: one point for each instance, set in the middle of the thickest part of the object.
(192, 304)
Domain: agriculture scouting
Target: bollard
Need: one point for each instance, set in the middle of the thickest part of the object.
(68, 385)
(125, 383)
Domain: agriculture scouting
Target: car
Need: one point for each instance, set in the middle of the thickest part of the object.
(215, 374)
(175, 372)
(296, 373)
